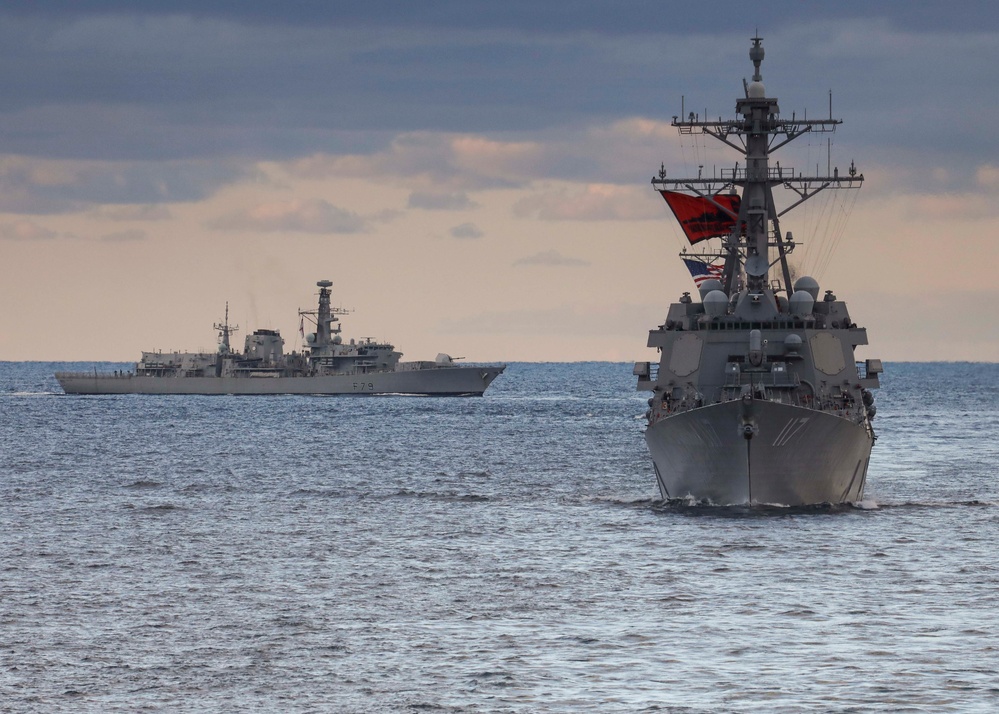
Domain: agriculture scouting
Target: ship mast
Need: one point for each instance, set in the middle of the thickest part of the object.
(326, 317)
(759, 132)
(225, 330)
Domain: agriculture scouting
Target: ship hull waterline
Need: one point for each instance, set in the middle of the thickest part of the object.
(453, 381)
(795, 457)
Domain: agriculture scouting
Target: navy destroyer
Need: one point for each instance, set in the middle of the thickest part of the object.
(757, 397)
(326, 365)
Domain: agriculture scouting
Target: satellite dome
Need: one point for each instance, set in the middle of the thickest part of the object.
(707, 286)
(757, 90)
(715, 303)
(809, 284)
(802, 303)
(792, 343)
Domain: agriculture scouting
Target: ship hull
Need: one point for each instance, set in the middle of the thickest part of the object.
(795, 456)
(443, 381)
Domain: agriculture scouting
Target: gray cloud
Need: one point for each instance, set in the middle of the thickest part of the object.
(466, 230)
(435, 200)
(45, 186)
(643, 17)
(139, 212)
(230, 83)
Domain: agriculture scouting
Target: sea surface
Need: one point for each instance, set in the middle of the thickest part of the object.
(500, 554)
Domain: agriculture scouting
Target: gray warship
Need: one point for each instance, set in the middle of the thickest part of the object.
(757, 397)
(326, 365)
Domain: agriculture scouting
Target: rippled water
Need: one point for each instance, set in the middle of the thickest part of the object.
(503, 554)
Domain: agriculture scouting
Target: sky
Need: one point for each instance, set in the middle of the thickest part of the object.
(474, 177)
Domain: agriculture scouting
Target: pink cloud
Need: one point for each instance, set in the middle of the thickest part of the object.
(597, 202)
(25, 231)
(314, 215)
(552, 258)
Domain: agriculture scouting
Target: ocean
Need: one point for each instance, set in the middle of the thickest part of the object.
(499, 554)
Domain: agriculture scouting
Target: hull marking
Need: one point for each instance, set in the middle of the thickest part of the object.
(792, 427)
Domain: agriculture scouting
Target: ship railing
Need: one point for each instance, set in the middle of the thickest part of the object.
(120, 374)
(648, 375)
(420, 365)
(771, 380)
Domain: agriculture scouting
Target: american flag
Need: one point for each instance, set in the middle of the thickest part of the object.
(701, 271)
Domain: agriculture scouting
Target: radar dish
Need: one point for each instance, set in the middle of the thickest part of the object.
(757, 266)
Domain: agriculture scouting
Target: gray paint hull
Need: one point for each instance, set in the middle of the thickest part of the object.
(797, 457)
(445, 381)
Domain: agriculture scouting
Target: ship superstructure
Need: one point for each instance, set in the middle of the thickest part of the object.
(758, 396)
(326, 365)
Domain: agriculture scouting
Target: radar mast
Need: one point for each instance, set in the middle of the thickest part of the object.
(759, 132)
(225, 330)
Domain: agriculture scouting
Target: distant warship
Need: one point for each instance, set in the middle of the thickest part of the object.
(327, 365)
(757, 397)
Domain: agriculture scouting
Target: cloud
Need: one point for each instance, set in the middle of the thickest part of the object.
(597, 202)
(551, 258)
(29, 231)
(26, 231)
(453, 201)
(385, 215)
(466, 230)
(139, 212)
(449, 163)
(949, 207)
(43, 186)
(441, 168)
(987, 176)
(314, 215)
(133, 82)
(128, 236)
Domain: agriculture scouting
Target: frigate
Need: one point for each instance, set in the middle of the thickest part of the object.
(326, 365)
(758, 397)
